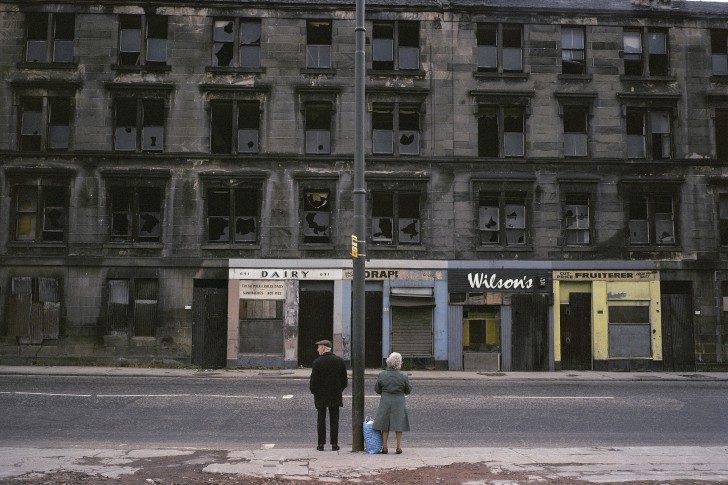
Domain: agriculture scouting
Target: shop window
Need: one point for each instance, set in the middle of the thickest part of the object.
(318, 129)
(573, 59)
(236, 43)
(228, 118)
(629, 329)
(405, 35)
(652, 220)
(577, 221)
(261, 327)
(499, 48)
(139, 124)
(396, 218)
(40, 213)
(45, 123)
(395, 129)
(649, 134)
(132, 307)
(142, 40)
(316, 217)
(721, 134)
(318, 44)
(576, 129)
(719, 52)
(233, 207)
(481, 329)
(49, 37)
(501, 131)
(34, 309)
(723, 219)
(652, 61)
(136, 214)
(502, 218)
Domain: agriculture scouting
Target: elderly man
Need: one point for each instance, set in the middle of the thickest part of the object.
(328, 381)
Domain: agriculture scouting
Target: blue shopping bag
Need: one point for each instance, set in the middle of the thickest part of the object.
(372, 437)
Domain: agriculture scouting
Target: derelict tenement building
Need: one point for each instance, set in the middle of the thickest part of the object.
(546, 182)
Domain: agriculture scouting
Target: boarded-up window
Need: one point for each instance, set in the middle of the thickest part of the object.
(261, 326)
(34, 310)
(412, 333)
(629, 329)
(132, 307)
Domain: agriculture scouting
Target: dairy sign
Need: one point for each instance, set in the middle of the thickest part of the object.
(499, 280)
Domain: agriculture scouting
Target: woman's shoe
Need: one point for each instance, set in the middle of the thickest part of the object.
(399, 451)
(384, 451)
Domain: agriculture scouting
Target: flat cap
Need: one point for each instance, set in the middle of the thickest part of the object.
(325, 343)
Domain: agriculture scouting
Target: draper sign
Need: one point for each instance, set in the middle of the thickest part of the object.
(505, 280)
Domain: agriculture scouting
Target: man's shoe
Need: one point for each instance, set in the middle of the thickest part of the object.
(335, 448)
(320, 447)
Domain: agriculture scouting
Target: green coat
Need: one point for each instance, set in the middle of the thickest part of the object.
(392, 412)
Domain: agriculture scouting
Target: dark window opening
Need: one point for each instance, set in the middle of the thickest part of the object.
(719, 52)
(156, 40)
(409, 45)
(49, 37)
(396, 129)
(721, 134)
(572, 50)
(657, 53)
(31, 124)
(136, 214)
(575, 131)
(317, 216)
(382, 130)
(383, 46)
(130, 40)
(134, 117)
(318, 44)
(318, 129)
(723, 219)
(501, 131)
(632, 53)
(486, 36)
(234, 127)
(652, 220)
(512, 48)
(40, 213)
(236, 43)
(400, 210)
(238, 206)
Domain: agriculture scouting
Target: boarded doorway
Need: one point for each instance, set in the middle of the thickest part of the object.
(373, 331)
(576, 334)
(678, 344)
(209, 324)
(315, 318)
(529, 338)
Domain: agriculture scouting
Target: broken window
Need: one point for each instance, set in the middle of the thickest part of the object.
(719, 52)
(318, 129)
(40, 213)
(652, 220)
(232, 206)
(134, 117)
(407, 37)
(395, 121)
(721, 137)
(316, 216)
(494, 141)
(502, 218)
(723, 219)
(49, 37)
(632, 53)
(132, 307)
(45, 123)
(318, 44)
(34, 309)
(31, 124)
(573, 60)
(575, 131)
(499, 48)
(136, 214)
(228, 117)
(653, 62)
(577, 222)
(142, 40)
(236, 43)
(648, 134)
(398, 210)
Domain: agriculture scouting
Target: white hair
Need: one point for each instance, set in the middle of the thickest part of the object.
(394, 361)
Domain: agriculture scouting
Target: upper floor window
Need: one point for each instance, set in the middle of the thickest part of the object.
(45, 123)
(233, 215)
(723, 219)
(576, 129)
(395, 129)
(318, 128)
(235, 126)
(318, 44)
(236, 43)
(649, 134)
(577, 219)
(405, 35)
(652, 219)
(649, 61)
(500, 47)
(573, 59)
(396, 217)
(502, 218)
(501, 131)
(139, 124)
(39, 212)
(142, 40)
(316, 216)
(136, 213)
(49, 37)
(719, 52)
(721, 134)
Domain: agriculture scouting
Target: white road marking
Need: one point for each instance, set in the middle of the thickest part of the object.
(288, 396)
(552, 397)
(46, 394)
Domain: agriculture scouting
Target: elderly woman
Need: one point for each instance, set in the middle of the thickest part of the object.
(392, 384)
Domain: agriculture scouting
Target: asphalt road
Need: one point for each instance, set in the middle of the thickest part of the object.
(113, 412)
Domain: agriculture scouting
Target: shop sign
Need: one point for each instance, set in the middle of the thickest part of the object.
(396, 274)
(606, 275)
(502, 280)
(262, 290)
(285, 274)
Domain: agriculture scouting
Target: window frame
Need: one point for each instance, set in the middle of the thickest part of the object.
(645, 119)
(651, 219)
(234, 198)
(404, 34)
(397, 114)
(392, 203)
(138, 56)
(571, 64)
(646, 62)
(500, 32)
(585, 201)
(240, 124)
(56, 44)
(318, 128)
(507, 199)
(143, 120)
(246, 54)
(501, 111)
(41, 187)
(310, 210)
(133, 305)
(319, 44)
(42, 138)
(719, 52)
(135, 210)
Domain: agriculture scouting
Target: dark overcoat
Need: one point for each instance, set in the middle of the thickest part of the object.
(392, 414)
(328, 380)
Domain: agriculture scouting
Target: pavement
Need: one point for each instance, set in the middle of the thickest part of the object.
(590, 464)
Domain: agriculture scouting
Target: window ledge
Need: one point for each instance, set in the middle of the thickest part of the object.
(48, 65)
(501, 75)
(652, 79)
(499, 248)
(579, 249)
(317, 247)
(394, 247)
(575, 77)
(654, 249)
(133, 245)
(723, 79)
(310, 71)
(234, 70)
(144, 68)
(36, 244)
(228, 247)
(396, 73)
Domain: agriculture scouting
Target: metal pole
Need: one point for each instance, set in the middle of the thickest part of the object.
(358, 245)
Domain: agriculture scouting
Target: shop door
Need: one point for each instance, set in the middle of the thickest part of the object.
(209, 324)
(373, 330)
(678, 345)
(315, 318)
(529, 340)
(412, 331)
(576, 335)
